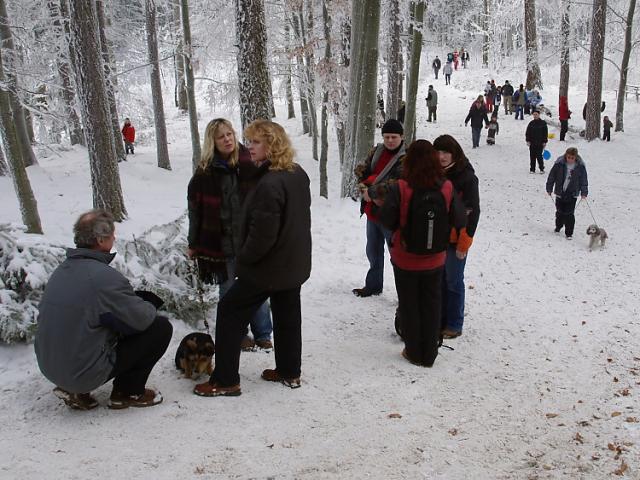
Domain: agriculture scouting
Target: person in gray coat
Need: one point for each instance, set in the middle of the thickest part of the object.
(432, 103)
(93, 327)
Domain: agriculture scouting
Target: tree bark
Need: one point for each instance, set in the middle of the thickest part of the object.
(300, 71)
(414, 71)
(534, 77)
(624, 68)
(291, 111)
(306, 26)
(485, 34)
(191, 92)
(394, 93)
(253, 73)
(118, 142)
(596, 61)
(3, 164)
(324, 142)
(89, 78)
(156, 86)
(565, 31)
(181, 89)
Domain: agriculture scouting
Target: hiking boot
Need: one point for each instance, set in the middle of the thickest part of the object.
(364, 292)
(449, 334)
(149, 398)
(264, 344)
(247, 344)
(76, 401)
(214, 389)
(569, 237)
(272, 375)
(405, 355)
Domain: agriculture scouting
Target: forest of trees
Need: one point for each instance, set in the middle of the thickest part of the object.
(72, 70)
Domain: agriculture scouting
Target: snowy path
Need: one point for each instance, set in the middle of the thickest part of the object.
(532, 390)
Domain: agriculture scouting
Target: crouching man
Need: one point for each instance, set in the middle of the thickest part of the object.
(92, 326)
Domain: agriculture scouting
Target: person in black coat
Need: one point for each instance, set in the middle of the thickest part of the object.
(477, 115)
(567, 180)
(273, 262)
(507, 96)
(536, 137)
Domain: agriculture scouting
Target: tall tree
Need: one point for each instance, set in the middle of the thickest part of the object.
(291, 6)
(414, 71)
(291, 111)
(109, 83)
(21, 184)
(565, 31)
(181, 89)
(89, 78)
(394, 60)
(534, 77)
(6, 39)
(3, 164)
(485, 34)
(253, 73)
(191, 89)
(156, 86)
(596, 61)
(624, 68)
(324, 121)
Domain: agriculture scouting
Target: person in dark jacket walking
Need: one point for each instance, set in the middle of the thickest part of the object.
(92, 326)
(273, 262)
(418, 277)
(477, 115)
(567, 180)
(507, 97)
(381, 168)
(519, 99)
(436, 65)
(536, 137)
(215, 195)
(432, 104)
(607, 125)
(460, 172)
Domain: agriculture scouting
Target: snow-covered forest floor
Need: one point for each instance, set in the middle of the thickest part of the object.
(544, 383)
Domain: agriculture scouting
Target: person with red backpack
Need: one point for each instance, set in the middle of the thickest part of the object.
(129, 136)
(420, 209)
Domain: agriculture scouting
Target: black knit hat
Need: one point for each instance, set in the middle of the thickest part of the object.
(393, 126)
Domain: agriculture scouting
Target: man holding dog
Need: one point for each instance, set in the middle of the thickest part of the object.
(93, 327)
(568, 180)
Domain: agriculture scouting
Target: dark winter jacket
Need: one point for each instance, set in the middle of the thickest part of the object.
(537, 132)
(477, 115)
(432, 98)
(607, 124)
(86, 307)
(465, 183)
(378, 187)
(520, 97)
(578, 185)
(507, 90)
(275, 251)
(436, 64)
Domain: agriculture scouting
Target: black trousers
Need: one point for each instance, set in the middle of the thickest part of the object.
(607, 135)
(447, 78)
(564, 128)
(137, 354)
(235, 311)
(420, 305)
(565, 208)
(432, 113)
(535, 154)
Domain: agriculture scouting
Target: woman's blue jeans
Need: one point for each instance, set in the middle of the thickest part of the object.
(453, 291)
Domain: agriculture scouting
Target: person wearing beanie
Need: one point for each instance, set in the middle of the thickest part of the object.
(536, 136)
(465, 183)
(381, 168)
(432, 103)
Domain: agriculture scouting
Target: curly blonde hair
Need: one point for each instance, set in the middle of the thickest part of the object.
(279, 149)
(209, 146)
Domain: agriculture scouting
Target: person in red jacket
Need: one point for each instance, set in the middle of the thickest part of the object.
(129, 135)
(564, 114)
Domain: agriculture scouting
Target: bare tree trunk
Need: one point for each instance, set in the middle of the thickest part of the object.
(191, 92)
(324, 141)
(24, 142)
(118, 142)
(485, 34)
(596, 61)
(253, 74)
(339, 105)
(565, 31)
(301, 69)
(3, 164)
(181, 89)
(156, 86)
(534, 77)
(624, 67)
(291, 111)
(394, 93)
(89, 78)
(414, 70)
(306, 29)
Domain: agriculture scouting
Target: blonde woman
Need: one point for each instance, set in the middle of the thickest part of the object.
(215, 196)
(273, 262)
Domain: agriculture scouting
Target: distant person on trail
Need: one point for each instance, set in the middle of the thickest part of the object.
(447, 70)
(564, 114)
(379, 170)
(129, 136)
(464, 57)
(450, 57)
(606, 125)
(477, 115)
(507, 97)
(492, 129)
(520, 99)
(456, 58)
(436, 65)
(93, 327)
(567, 180)
(401, 111)
(497, 100)
(380, 115)
(536, 136)
(432, 103)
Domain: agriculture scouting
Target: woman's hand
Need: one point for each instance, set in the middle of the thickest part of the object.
(461, 255)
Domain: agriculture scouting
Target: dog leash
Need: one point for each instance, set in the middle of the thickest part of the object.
(590, 211)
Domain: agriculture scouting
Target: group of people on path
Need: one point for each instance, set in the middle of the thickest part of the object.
(451, 64)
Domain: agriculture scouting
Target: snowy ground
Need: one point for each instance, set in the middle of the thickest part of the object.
(543, 383)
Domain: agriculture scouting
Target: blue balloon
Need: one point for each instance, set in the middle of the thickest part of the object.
(546, 154)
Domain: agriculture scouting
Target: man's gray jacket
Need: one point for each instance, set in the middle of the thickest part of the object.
(86, 307)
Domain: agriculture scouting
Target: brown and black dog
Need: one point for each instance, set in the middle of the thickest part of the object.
(194, 354)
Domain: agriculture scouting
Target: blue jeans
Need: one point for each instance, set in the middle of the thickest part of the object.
(475, 136)
(261, 326)
(520, 111)
(377, 235)
(453, 291)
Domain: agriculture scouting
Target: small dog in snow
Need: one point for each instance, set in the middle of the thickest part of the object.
(596, 233)
(194, 354)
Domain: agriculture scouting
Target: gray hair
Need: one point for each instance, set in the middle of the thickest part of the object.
(92, 226)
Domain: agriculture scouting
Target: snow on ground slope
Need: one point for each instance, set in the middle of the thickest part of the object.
(543, 384)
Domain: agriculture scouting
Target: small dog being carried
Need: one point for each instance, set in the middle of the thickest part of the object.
(596, 234)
